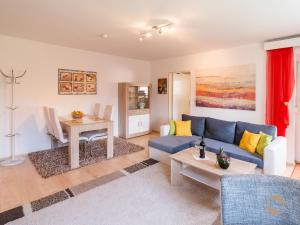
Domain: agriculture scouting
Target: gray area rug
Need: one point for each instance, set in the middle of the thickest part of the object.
(143, 197)
(55, 161)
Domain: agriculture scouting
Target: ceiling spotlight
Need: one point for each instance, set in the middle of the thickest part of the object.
(104, 36)
(148, 35)
(160, 29)
(171, 27)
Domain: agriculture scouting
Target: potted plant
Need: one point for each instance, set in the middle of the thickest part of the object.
(223, 159)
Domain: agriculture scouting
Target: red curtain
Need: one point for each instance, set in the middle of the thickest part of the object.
(280, 85)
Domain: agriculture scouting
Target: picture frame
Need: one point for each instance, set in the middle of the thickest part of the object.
(77, 82)
(162, 86)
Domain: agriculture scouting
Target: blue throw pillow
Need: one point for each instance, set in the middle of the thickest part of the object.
(220, 130)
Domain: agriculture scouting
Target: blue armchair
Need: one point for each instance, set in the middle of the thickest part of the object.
(260, 199)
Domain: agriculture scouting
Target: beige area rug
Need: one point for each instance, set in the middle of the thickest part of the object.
(55, 161)
(144, 197)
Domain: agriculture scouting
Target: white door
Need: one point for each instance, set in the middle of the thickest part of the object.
(181, 91)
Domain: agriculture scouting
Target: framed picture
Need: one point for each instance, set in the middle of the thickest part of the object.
(76, 82)
(91, 88)
(162, 86)
(65, 87)
(78, 77)
(78, 87)
(65, 76)
(228, 87)
(91, 78)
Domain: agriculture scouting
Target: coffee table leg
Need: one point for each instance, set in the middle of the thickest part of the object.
(176, 177)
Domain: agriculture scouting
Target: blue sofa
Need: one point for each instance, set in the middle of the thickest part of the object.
(220, 133)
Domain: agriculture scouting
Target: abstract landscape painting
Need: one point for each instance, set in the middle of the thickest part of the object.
(228, 87)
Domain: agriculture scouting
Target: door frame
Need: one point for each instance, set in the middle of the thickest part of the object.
(170, 91)
(297, 108)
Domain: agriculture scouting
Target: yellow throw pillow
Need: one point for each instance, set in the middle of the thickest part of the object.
(183, 128)
(249, 141)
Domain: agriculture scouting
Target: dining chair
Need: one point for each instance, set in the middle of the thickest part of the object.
(97, 108)
(100, 134)
(58, 131)
(108, 112)
(50, 131)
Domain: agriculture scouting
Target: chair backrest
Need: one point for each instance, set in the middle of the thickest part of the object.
(47, 119)
(260, 199)
(108, 112)
(97, 108)
(57, 129)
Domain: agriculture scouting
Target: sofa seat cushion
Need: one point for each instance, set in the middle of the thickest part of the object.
(172, 144)
(234, 151)
(198, 124)
(254, 128)
(220, 130)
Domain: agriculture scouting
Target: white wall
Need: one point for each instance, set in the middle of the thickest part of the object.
(39, 86)
(248, 54)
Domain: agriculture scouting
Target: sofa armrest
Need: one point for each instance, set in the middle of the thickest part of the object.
(164, 130)
(275, 157)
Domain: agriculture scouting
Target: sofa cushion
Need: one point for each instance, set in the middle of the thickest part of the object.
(220, 130)
(183, 128)
(172, 144)
(234, 151)
(254, 128)
(198, 124)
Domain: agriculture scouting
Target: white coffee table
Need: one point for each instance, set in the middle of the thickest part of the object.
(183, 164)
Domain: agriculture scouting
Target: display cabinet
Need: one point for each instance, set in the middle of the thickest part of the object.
(134, 109)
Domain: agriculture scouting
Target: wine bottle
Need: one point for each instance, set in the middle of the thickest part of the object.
(202, 148)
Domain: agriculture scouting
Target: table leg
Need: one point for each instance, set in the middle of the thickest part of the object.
(73, 149)
(110, 140)
(176, 177)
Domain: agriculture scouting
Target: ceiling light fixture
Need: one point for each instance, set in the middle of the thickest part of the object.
(148, 35)
(104, 36)
(161, 29)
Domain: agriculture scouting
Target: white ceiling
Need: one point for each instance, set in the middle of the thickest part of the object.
(201, 25)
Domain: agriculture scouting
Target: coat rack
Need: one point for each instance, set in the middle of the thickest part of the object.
(12, 79)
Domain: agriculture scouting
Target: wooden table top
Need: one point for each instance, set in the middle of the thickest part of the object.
(84, 121)
(209, 165)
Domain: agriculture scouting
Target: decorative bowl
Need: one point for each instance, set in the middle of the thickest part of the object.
(77, 115)
(223, 159)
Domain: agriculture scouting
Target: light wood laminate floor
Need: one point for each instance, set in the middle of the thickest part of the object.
(22, 184)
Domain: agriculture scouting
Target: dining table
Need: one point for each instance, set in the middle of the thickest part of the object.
(74, 127)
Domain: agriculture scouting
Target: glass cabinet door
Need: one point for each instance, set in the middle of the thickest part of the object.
(138, 97)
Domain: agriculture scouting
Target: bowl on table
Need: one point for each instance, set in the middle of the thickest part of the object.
(77, 115)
